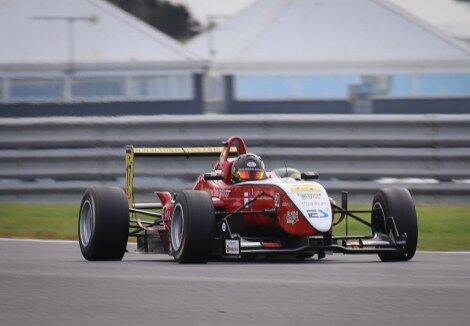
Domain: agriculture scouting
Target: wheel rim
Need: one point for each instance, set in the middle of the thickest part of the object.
(177, 227)
(87, 222)
(379, 214)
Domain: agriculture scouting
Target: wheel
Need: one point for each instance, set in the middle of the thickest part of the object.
(103, 224)
(192, 227)
(396, 202)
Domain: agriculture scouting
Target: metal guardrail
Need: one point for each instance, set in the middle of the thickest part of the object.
(54, 159)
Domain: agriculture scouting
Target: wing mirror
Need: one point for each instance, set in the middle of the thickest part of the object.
(310, 175)
(214, 175)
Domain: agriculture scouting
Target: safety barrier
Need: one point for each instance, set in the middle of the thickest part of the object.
(55, 159)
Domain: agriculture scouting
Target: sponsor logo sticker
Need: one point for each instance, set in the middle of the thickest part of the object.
(309, 195)
(304, 187)
(277, 200)
(251, 164)
(322, 213)
(232, 247)
(247, 196)
(224, 193)
(312, 213)
(317, 213)
(292, 217)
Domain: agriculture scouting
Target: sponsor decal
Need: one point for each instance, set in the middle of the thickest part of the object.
(312, 213)
(292, 217)
(314, 204)
(277, 200)
(322, 213)
(181, 150)
(308, 204)
(232, 247)
(317, 213)
(247, 196)
(224, 193)
(321, 203)
(309, 195)
(304, 187)
(287, 204)
(251, 164)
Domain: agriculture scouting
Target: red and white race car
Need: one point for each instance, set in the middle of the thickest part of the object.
(239, 210)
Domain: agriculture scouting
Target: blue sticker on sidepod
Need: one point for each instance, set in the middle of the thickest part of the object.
(317, 213)
(322, 214)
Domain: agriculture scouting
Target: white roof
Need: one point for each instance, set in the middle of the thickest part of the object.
(328, 34)
(28, 35)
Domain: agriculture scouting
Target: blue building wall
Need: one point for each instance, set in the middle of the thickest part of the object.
(425, 93)
(103, 108)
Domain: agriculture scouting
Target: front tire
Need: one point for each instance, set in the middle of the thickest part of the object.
(103, 224)
(192, 227)
(396, 202)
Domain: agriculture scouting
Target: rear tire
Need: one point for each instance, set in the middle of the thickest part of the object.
(396, 202)
(103, 224)
(192, 227)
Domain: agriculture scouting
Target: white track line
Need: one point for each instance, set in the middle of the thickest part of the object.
(445, 252)
(39, 240)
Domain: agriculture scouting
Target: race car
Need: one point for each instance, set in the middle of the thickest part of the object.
(239, 210)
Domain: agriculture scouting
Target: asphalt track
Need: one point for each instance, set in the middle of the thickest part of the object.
(49, 283)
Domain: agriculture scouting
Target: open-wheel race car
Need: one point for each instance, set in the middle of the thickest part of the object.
(238, 210)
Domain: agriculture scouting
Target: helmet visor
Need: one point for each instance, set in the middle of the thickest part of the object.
(251, 175)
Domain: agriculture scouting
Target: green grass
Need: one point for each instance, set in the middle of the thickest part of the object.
(440, 227)
(444, 227)
(40, 221)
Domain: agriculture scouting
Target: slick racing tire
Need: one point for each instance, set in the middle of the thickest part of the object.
(192, 227)
(103, 224)
(396, 202)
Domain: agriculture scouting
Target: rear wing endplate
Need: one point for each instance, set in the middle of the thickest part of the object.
(133, 152)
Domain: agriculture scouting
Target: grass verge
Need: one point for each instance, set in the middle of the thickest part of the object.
(39, 221)
(440, 227)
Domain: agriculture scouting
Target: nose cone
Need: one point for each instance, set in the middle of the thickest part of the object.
(312, 201)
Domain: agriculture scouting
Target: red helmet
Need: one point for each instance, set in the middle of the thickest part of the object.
(248, 167)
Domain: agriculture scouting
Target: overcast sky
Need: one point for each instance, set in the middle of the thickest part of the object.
(448, 15)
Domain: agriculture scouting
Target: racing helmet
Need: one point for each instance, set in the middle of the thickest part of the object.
(248, 167)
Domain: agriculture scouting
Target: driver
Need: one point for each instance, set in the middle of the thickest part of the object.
(248, 167)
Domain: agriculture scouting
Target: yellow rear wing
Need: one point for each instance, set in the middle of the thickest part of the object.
(133, 152)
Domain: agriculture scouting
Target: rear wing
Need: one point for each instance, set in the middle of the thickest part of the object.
(133, 152)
